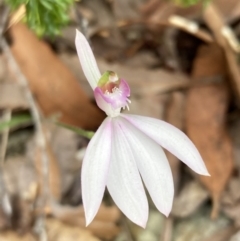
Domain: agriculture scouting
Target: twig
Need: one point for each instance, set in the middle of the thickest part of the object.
(215, 22)
(5, 201)
(231, 38)
(40, 137)
(190, 27)
(173, 21)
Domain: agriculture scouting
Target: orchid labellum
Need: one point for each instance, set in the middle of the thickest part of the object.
(127, 149)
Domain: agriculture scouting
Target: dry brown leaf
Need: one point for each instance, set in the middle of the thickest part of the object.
(236, 236)
(205, 120)
(58, 231)
(230, 9)
(156, 10)
(230, 201)
(65, 145)
(102, 226)
(55, 88)
(144, 106)
(233, 212)
(215, 22)
(174, 115)
(191, 197)
(13, 236)
(53, 167)
(126, 9)
(21, 184)
(223, 234)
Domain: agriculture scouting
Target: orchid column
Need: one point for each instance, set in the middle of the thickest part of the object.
(127, 148)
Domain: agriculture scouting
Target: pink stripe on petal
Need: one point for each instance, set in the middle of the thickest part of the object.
(172, 139)
(95, 169)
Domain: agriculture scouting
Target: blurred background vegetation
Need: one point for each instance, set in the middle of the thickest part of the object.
(48, 17)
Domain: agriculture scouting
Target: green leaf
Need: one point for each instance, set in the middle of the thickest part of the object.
(15, 121)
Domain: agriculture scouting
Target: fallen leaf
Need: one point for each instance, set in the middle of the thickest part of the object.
(229, 9)
(223, 234)
(200, 227)
(144, 106)
(13, 236)
(53, 85)
(230, 201)
(175, 115)
(103, 225)
(59, 231)
(53, 167)
(191, 197)
(235, 237)
(205, 121)
(21, 185)
(214, 19)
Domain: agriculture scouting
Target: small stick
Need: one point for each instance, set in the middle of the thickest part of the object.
(190, 27)
(5, 201)
(40, 137)
(215, 22)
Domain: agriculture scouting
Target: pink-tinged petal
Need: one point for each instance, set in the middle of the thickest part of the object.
(124, 181)
(95, 169)
(118, 98)
(153, 166)
(103, 105)
(172, 139)
(124, 87)
(87, 60)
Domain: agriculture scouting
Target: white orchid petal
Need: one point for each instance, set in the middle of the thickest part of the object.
(171, 139)
(103, 105)
(87, 60)
(153, 166)
(95, 169)
(124, 181)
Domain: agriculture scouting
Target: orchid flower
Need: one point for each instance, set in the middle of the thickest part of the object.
(127, 149)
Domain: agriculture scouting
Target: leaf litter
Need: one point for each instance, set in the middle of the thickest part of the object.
(175, 74)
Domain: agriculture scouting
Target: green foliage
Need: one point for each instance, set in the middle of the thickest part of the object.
(27, 119)
(188, 3)
(45, 17)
